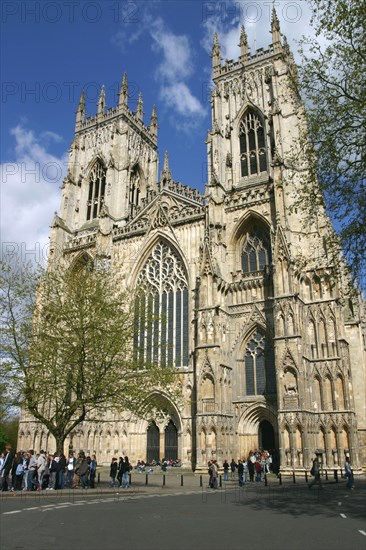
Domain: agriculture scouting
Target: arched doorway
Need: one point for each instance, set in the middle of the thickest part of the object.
(171, 442)
(153, 443)
(266, 435)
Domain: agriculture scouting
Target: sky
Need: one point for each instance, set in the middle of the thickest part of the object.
(52, 50)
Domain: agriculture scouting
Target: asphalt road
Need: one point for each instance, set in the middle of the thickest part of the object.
(274, 517)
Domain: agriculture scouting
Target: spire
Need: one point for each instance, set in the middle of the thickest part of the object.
(101, 101)
(153, 126)
(123, 91)
(80, 113)
(165, 175)
(140, 108)
(216, 57)
(275, 30)
(243, 44)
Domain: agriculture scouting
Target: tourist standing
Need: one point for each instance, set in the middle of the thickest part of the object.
(349, 474)
(226, 470)
(113, 471)
(92, 471)
(315, 471)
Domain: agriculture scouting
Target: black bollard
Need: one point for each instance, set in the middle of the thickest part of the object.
(265, 480)
(293, 477)
(98, 477)
(306, 476)
(220, 481)
(201, 484)
(129, 479)
(280, 478)
(147, 479)
(326, 475)
(163, 480)
(181, 480)
(336, 475)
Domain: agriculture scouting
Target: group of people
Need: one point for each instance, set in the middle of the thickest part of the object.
(121, 471)
(257, 464)
(30, 471)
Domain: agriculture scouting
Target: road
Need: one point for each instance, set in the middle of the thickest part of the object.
(180, 518)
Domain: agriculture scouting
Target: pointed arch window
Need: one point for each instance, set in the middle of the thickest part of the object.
(253, 155)
(260, 376)
(256, 253)
(161, 309)
(137, 188)
(97, 184)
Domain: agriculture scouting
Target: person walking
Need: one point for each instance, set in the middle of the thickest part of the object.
(92, 471)
(349, 474)
(315, 471)
(241, 473)
(113, 472)
(226, 470)
(125, 473)
(232, 468)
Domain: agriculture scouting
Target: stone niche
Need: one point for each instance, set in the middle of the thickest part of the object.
(290, 387)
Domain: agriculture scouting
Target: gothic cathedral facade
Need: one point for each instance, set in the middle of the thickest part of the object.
(268, 350)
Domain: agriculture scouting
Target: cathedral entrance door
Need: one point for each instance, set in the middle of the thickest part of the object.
(266, 436)
(171, 442)
(153, 443)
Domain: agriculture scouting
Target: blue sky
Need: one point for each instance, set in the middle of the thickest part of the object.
(51, 50)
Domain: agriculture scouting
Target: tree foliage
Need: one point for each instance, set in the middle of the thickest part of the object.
(68, 347)
(332, 81)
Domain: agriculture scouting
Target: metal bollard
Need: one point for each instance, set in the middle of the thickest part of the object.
(163, 480)
(306, 476)
(181, 480)
(293, 477)
(336, 475)
(147, 479)
(129, 479)
(326, 475)
(265, 480)
(280, 478)
(220, 480)
(201, 484)
(98, 477)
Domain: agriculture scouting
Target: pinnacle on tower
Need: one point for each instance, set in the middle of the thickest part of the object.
(123, 91)
(166, 175)
(80, 113)
(140, 108)
(243, 43)
(275, 30)
(101, 101)
(216, 57)
(153, 126)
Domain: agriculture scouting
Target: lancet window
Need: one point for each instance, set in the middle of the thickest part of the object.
(253, 155)
(256, 253)
(135, 189)
(260, 376)
(97, 183)
(161, 313)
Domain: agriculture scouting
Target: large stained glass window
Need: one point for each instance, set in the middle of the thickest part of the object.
(260, 376)
(252, 145)
(161, 310)
(256, 253)
(97, 182)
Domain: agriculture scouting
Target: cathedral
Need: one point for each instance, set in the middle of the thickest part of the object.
(253, 316)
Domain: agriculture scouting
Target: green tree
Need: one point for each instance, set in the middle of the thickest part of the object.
(332, 81)
(68, 347)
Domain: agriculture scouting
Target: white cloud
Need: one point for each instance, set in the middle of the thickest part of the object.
(173, 71)
(30, 194)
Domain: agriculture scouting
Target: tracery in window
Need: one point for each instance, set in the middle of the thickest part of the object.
(137, 188)
(259, 366)
(97, 183)
(252, 145)
(256, 253)
(161, 310)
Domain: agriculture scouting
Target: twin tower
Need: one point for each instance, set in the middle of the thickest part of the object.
(254, 317)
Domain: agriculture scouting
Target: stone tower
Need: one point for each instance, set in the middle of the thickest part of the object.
(267, 345)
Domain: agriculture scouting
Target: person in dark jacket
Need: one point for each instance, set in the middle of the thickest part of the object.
(82, 470)
(6, 468)
(92, 471)
(61, 467)
(125, 473)
(113, 471)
